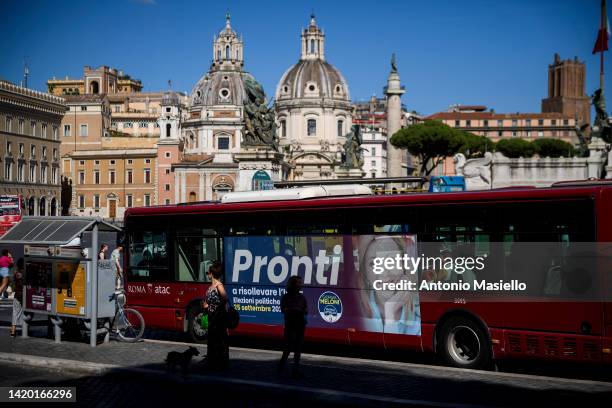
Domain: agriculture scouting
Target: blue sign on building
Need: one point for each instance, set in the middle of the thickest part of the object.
(444, 184)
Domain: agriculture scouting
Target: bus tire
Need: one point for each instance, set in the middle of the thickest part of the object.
(464, 343)
(196, 332)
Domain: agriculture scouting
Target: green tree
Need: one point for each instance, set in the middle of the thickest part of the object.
(548, 147)
(476, 146)
(514, 148)
(431, 141)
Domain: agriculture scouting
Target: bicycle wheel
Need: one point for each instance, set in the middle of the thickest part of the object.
(130, 325)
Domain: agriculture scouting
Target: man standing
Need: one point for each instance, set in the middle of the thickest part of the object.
(116, 260)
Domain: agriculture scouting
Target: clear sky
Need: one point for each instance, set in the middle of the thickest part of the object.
(490, 52)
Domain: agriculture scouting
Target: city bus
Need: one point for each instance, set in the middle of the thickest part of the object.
(11, 209)
(533, 305)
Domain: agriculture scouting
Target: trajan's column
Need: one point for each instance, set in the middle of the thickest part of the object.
(394, 93)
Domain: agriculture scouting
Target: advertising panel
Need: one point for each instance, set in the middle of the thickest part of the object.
(10, 212)
(38, 285)
(70, 283)
(337, 274)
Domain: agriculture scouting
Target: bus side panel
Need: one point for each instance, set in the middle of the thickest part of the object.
(159, 317)
(604, 235)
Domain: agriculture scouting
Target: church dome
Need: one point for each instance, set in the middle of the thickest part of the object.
(219, 88)
(312, 78)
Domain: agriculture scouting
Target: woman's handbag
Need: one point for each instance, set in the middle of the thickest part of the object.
(204, 321)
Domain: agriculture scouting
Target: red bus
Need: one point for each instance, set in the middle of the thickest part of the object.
(528, 304)
(11, 207)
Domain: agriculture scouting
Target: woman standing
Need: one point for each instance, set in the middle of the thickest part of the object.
(6, 262)
(103, 251)
(216, 307)
(295, 309)
(17, 307)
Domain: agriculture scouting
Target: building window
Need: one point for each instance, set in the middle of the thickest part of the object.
(499, 133)
(21, 149)
(111, 177)
(129, 161)
(21, 126)
(8, 167)
(83, 108)
(8, 124)
(129, 200)
(457, 123)
(21, 172)
(81, 201)
(127, 125)
(528, 122)
(112, 162)
(340, 128)
(167, 171)
(97, 162)
(514, 122)
(553, 122)
(9, 145)
(468, 123)
(168, 129)
(311, 127)
(167, 201)
(143, 125)
(283, 128)
(168, 110)
(81, 162)
(168, 155)
(147, 161)
(96, 177)
(54, 172)
(43, 174)
(83, 130)
(32, 151)
(147, 176)
(33, 173)
(565, 122)
(44, 152)
(514, 134)
(147, 200)
(373, 164)
(528, 133)
(540, 134)
(540, 122)
(130, 177)
(54, 132)
(81, 177)
(374, 151)
(44, 130)
(33, 126)
(223, 143)
(66, 130)
(500, 123)
(96, 201)
(486, 123)
(117, 108)
(167, 187)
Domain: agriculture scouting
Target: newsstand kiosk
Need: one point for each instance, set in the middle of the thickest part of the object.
(63, 277)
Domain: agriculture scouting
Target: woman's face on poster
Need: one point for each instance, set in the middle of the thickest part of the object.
(378, 250)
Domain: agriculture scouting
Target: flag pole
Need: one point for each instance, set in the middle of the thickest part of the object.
(601, 54)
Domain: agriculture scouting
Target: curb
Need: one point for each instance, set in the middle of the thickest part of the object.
(296, 391)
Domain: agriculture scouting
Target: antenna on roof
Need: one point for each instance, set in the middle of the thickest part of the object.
(26, 72)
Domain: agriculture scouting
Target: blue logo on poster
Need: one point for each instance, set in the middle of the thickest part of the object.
(330, 307)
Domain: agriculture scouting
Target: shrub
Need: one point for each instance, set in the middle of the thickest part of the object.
(553, 148)
(514, 148)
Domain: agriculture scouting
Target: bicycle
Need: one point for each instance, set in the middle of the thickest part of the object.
(128, 324)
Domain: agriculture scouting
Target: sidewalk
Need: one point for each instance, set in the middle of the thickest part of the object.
(348, 381)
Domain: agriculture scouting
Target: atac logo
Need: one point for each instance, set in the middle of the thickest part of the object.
(330, 307)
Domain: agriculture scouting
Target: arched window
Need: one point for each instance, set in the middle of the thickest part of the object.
(312, 46)
(168, 129)
(94, 87)
(340, 128)
(283, 128)
(219, 54)
(311, 127)
(227, 52)
(42, 210)
(237, 55)
(192, 197)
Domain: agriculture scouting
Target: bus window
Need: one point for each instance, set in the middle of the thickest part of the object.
(398, 220)
(327, 222)
(148, 257)
(194, 255)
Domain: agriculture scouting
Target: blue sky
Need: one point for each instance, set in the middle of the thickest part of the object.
(489, 52)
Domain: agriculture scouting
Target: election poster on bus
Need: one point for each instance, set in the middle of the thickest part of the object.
(341, 286)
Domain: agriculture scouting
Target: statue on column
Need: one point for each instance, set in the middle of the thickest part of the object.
(353, 152)
(260, 125)
(601, 127)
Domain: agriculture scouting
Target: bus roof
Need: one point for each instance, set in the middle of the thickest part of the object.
(577, 189)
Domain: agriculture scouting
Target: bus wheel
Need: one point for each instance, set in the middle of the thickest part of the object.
(463, 343)
(196, 332)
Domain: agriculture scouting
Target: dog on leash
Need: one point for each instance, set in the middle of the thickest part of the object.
(176, 358)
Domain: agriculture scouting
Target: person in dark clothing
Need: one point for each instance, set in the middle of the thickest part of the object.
(216, 306)
(295, 309)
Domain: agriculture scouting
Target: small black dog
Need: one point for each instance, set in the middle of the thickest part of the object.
(183, 359)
